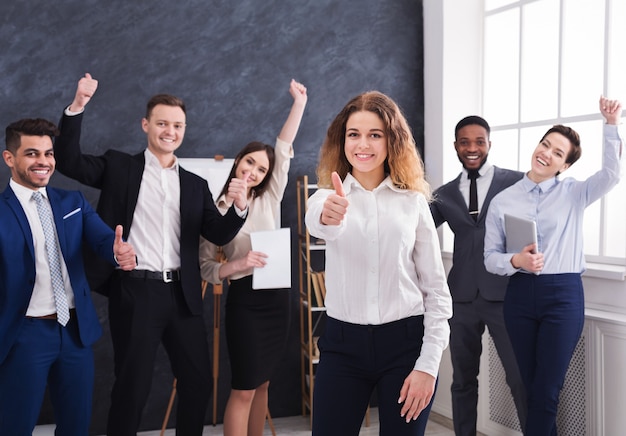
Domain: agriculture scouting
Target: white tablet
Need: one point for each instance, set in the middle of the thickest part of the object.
(519, 233)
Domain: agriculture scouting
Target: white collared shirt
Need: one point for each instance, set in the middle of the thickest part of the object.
(155, 230)
(42, 300)
(383, 263)
(482, 184)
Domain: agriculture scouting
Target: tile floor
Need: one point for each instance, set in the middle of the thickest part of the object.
(294, 426)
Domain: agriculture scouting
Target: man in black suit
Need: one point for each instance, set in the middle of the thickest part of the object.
(164, 210)
(476, 294)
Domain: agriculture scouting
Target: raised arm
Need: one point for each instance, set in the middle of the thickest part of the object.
(291, 126)
(70, 160)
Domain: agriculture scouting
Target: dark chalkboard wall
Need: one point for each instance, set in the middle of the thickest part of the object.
(231, 61)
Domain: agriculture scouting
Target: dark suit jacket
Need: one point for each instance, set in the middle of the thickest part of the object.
(468, 275)
(17, 260)
(118, 176)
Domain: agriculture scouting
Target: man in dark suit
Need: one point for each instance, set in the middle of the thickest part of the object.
(476, 294)
(165, 210)
(47, 319)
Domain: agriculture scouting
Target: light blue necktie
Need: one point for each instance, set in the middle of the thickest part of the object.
(54, 258)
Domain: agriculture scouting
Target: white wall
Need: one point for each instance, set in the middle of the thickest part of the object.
(452, 90)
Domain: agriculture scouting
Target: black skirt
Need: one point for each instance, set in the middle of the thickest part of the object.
(257, 324)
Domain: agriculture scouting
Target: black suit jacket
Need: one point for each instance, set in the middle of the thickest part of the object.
(118, 176)
(468, 275)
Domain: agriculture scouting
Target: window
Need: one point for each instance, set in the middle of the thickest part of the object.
(547, 62)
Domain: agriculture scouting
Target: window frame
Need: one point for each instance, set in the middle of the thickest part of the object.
(457, 50)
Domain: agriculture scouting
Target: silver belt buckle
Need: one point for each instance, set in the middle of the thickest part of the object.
(166, 278)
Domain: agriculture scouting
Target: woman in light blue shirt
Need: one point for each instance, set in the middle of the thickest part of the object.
(544, 303)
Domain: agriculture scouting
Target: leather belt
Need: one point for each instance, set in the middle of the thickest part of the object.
(52, 315)
(164, 276)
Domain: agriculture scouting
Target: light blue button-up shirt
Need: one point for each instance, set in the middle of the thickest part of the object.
(557, 206)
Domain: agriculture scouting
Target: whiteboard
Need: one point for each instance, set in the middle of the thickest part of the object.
(215, 172)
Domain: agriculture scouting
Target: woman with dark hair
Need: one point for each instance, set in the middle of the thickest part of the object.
(256, 321)
(387, 299)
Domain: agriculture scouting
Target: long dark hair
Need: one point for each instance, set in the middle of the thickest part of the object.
(252, 147)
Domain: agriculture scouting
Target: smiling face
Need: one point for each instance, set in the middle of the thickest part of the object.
(549, 158)
(165, 130)
(33, 163)
(366, 148)
(253, 167)
(472, 146)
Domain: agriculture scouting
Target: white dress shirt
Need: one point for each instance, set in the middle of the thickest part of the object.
(482, 184)
(42, 300)
(155, 231)
(383, 263)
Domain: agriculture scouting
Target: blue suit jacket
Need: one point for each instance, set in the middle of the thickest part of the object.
(76, 222)
(468, 275)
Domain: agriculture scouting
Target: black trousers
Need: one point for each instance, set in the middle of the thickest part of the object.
(355, 360)
(144, 313)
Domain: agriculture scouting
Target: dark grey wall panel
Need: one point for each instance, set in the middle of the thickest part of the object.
(231, 62)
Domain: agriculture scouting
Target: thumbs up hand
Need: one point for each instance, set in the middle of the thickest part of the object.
(337, 184)
(238, 191)
(336, 205)
(123, 252)
(85, 89)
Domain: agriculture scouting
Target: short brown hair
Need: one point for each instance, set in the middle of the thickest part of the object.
(164, 99)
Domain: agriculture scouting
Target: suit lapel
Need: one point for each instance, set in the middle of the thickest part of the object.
(494, 189)
(135, 174)
(185, 192)
(457, 197)
(20, 216)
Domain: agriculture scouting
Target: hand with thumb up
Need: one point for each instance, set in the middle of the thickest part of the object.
(123, 252)
(336, 205)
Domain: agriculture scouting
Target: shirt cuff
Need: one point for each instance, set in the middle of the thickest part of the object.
(69, 113)
(241, 213)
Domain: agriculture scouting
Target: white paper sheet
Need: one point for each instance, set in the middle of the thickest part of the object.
(276, 274)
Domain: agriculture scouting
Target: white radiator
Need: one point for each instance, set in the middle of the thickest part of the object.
(571, 419)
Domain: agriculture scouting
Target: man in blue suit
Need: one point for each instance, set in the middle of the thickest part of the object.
(45, 335)
(477, 295)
